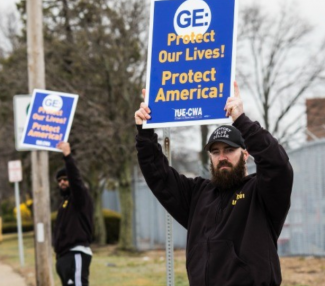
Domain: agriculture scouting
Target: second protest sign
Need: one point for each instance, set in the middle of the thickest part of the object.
(49, 119)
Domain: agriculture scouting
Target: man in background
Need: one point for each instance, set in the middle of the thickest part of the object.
(73, 230)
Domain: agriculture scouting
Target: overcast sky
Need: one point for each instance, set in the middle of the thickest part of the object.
(311, 10)
(7, 5)
(314, 10)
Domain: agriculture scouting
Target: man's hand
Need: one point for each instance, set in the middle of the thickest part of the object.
(234, 105)
(64, 147)
(143, 112)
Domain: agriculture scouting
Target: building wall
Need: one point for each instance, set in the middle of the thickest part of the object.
(305, 225)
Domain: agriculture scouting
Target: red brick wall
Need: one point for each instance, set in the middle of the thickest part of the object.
(315, 109)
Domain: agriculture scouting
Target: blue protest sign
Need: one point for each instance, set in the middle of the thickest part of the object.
(191, 61)
(49, 119)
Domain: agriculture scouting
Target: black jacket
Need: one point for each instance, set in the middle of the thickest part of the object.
(232, 237)
(74, 223)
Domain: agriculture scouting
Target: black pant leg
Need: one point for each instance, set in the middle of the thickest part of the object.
(86, 260)
(65, 267)
(73, 268)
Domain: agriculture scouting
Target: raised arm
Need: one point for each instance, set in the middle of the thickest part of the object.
(79, 192)
(273, 170)
(174, 191)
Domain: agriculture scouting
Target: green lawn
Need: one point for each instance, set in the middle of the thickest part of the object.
(112, 268)
(108, 267)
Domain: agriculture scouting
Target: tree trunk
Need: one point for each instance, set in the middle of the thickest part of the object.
(126, 200)
(204, 154)
(99, 223)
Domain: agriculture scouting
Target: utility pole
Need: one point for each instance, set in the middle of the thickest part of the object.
(40, 168)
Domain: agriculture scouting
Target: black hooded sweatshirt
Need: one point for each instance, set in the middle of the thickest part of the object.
(74, 223)
(232, 237)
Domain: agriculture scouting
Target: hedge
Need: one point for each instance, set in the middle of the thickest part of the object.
(111, 218)
(11, 227)
(112, 223)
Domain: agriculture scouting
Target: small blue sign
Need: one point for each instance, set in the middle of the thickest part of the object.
(191, 61)
(49, 119)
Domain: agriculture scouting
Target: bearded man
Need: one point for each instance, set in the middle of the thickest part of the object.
(233, 221)
(73, 230)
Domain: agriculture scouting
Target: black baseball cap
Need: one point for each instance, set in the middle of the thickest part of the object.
(227, 134)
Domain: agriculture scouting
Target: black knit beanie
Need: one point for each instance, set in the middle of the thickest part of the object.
(61, 173)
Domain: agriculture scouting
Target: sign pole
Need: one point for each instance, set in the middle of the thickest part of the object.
(16, 175)
(19, 227)
(169, 219)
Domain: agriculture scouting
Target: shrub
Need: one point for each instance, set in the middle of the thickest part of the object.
(112, 223)
(7, 207)
(11, 227)
(8, 218)
(25, 212)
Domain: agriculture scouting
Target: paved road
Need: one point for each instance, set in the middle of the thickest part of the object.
(9, 277)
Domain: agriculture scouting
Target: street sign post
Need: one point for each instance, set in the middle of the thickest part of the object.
(14, 171)
(15, 176)
(170, 277)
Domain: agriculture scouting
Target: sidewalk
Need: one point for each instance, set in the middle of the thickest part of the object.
(9, 277)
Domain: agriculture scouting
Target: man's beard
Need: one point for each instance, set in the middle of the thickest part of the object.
(226, 179)
(65, 192)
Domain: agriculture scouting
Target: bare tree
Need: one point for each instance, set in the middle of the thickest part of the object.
(278, 66)
(13, 80)
(94, 48)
